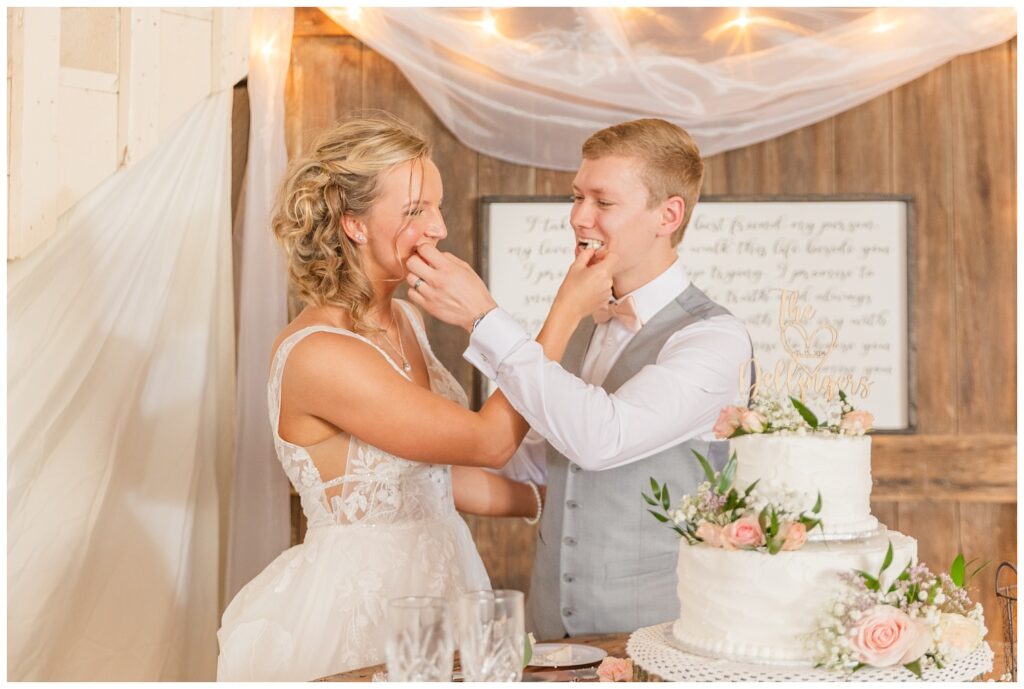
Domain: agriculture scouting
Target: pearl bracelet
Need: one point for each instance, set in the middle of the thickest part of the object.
(540, 504)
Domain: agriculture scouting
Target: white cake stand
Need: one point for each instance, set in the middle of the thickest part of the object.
(650, 649)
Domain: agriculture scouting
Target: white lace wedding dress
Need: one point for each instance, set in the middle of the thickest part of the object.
(385, 529)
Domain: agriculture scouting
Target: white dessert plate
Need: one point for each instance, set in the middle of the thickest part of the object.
(565, 655)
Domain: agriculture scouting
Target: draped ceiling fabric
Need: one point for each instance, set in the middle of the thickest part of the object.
(528, 85)
(121, 401)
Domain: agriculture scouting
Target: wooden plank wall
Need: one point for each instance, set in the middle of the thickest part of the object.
(948, 138)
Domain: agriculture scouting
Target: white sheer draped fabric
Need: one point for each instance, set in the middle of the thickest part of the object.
(260, 527)
(121, 400)
(529, 85)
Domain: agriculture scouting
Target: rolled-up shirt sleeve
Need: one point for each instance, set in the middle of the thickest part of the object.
(678, 397)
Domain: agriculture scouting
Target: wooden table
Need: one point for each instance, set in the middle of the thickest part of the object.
(614, 644)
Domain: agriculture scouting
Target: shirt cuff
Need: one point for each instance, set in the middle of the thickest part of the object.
(493, 339)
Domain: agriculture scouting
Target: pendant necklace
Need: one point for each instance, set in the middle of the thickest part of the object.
(400, 349)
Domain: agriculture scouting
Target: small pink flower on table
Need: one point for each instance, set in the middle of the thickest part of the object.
(887, 636)
(614, 669)
(752, 421)
(745, 532)
(729, 420)
(856, 422)
(794, 535)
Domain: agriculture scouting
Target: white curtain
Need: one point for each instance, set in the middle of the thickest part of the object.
(529, 85)
(120, 405)
(260, 518)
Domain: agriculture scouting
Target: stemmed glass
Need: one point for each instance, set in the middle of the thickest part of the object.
(491, 631)
(419, 645)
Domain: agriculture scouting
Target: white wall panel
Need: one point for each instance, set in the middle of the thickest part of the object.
(230, 46)
(34, 67)
(87, 122)
(185, 75)
(139, 92)
(88, 38)
(194, 12)
(91, 90)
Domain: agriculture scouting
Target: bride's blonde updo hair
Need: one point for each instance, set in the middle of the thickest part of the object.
(340, 175)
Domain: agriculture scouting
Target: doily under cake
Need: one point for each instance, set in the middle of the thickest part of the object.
(656, 658)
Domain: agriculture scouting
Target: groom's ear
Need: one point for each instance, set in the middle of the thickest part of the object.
(673, 209)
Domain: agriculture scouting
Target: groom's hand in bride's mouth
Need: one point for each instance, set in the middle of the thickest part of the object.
(447, 287)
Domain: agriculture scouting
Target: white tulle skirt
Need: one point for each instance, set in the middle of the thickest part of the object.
(320, 607)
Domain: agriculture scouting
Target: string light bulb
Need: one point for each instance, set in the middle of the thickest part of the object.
(488, 24)
(353, 12)
(881, 25)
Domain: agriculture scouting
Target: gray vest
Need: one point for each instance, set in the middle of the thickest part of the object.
(603, 563)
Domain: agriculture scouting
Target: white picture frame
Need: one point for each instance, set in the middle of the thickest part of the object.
(847, 257)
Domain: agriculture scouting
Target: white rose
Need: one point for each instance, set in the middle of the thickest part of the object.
(958, 636)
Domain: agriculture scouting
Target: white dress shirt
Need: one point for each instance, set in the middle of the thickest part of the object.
(678, 397)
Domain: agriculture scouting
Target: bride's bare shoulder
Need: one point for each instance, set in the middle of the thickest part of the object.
(303, 321)
(322, 358)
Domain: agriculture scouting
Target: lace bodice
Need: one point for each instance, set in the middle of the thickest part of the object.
(377, 487)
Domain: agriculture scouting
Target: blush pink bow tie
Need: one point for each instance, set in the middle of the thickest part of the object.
(624, 310)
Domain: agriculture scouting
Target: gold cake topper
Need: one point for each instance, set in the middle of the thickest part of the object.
(808, 349)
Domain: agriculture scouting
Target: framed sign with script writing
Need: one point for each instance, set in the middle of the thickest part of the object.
(822, 284)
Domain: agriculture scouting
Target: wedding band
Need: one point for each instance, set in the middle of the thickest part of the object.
(419, 281)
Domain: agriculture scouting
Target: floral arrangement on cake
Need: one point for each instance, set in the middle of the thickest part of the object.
(721, 517)
(919, 620)
(769, 414)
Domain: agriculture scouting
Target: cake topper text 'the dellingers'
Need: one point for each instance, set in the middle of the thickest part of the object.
(800, 375)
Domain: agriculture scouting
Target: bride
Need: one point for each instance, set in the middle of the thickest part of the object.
(373, 432)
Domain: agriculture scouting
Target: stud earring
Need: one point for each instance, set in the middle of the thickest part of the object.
(361, 238)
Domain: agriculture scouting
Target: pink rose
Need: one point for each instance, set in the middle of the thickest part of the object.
(795, 535)
(712, 535)
(888, 636)
(614, 669)
(751, 421)
(857, 422)
(728, 421)
(745, 532)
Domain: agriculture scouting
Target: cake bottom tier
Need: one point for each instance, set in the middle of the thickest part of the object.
(750, 606)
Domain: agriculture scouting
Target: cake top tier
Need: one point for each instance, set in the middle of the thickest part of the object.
(785, 414)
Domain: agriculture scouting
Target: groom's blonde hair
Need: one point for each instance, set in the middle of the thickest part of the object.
(670, 160)
(339, 176)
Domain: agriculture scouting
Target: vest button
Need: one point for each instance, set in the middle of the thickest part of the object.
(571, 504)
(568, 578)
(567, 612)
(569, 540)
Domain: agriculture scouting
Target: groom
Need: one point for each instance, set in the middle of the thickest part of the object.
(640, 386)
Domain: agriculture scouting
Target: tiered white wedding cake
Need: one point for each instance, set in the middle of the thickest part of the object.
(784, 573)
(782, 566)
(747, 605)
